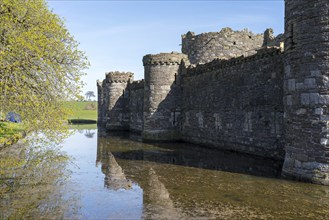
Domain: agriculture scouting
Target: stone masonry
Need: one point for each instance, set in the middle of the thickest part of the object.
(306, 90)
(235, 90)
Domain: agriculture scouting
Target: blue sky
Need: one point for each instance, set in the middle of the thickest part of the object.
(117, 34)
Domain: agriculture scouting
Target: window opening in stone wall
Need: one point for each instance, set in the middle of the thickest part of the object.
(292, 36)
(175, 78)
(234, 43)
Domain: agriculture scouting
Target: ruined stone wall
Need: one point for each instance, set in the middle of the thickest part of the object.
(136, 103)
(270, 40)
(225, 44)
(236, 104)
(162, 96)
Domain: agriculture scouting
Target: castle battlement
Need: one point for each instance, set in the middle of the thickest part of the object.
(137, 84)
(172, 58)
(119, 77)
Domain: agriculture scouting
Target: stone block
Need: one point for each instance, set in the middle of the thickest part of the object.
(287, 70)
(301, 111)
(324, 117)
(314, 98)
(289, 100)
(300, 86)
(301, 157)
(318, 111)
(310, 83)
(291, 84)
(315, 73)
(305, 98)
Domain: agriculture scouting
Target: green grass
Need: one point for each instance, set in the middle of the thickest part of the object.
(10, 132)
(83, 126)
(80, 110)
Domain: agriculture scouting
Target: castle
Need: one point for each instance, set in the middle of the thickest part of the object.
(235, 90)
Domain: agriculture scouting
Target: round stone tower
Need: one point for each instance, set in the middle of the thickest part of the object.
(162, 96)
(306, 90)
(117, 106)
(226, 44)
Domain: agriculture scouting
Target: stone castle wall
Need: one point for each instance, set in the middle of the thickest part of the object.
(136, 105)
(236, 104)
(242, 92)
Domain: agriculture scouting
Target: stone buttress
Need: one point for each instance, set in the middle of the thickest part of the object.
(306, 90)
(162, 96)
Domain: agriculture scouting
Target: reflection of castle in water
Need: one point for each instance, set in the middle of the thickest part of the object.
(191, 156)
(126, 162)
(162, 206)
(156, 198)
(114, 175)
(184, 155)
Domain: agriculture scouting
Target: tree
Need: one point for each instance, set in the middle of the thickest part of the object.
(40, 64)
(89, 94)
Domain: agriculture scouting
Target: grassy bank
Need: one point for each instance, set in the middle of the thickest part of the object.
(83, 112)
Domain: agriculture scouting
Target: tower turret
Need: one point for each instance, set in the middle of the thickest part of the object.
(306, 90)
(162, 96)
(117, 105)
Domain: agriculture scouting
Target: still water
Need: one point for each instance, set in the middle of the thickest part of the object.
(115, 176)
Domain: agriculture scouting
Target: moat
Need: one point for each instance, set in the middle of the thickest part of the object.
(115, 176)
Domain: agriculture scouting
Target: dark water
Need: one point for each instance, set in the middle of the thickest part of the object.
(116, 177)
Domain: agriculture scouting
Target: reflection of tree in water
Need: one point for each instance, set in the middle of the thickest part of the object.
(89, 133)
(31, 177)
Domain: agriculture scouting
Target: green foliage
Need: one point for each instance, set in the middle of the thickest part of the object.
(40, 65)
(9, 132)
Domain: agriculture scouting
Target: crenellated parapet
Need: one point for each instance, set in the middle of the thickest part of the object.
(172, 58)
(119, 77)
(137, 84)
